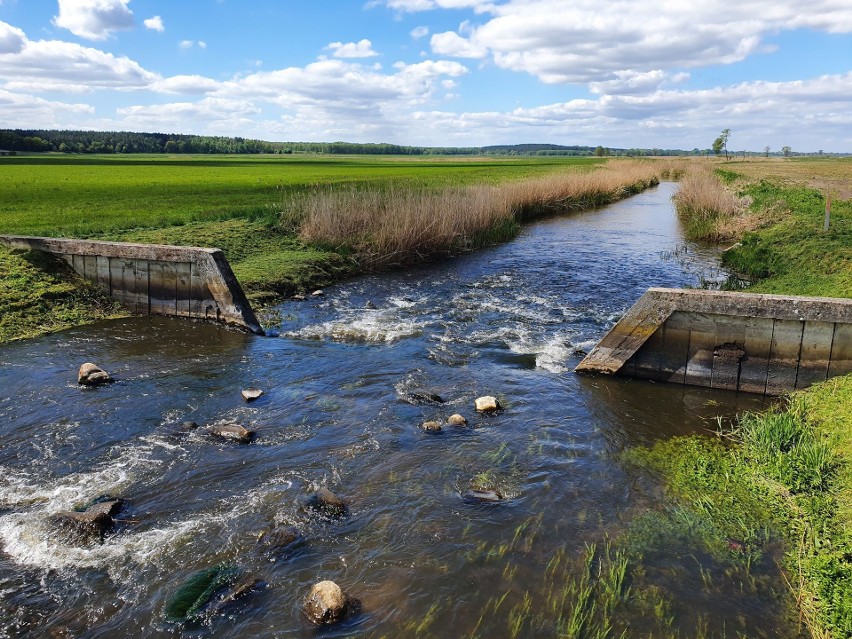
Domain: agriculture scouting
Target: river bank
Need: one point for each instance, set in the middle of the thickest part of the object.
(785, 474)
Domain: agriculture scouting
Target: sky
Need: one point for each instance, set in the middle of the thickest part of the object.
(617, 73)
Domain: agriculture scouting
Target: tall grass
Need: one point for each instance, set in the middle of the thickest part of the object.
(705, 205)
(392, 225)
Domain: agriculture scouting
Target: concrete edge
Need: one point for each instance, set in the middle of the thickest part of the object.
(657, 304)
(211, 263)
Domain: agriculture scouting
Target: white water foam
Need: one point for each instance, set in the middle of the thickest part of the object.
(368, 328)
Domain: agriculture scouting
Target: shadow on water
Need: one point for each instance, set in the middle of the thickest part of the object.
(347, 386)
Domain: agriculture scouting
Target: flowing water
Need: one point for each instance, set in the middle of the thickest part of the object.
(346, 385)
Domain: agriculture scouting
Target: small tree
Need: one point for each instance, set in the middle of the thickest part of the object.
(786, 150)
(721, 143)
(766, 151)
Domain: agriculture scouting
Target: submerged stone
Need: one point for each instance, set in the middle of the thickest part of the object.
(489, 495)
(327, 603)
(92, 375)
(431, 427)
(487, 404)
(456, 420)
(422, 397)
(327, 502)
(232, 432)
(279, 540)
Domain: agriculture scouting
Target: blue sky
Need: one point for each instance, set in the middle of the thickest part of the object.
(437, 72)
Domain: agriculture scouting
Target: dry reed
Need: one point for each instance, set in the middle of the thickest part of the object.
(705, 205)
(397, 225)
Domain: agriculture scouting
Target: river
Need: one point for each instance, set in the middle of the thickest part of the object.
(346, 383)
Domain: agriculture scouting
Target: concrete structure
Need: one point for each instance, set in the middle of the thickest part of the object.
(151, 279)
(766, 344)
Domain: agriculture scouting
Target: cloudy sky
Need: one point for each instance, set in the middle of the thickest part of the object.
(620, 73)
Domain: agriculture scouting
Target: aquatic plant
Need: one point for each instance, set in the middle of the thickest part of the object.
(191, 598)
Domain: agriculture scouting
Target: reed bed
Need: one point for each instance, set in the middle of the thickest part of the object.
(391, 225)
(707, 207)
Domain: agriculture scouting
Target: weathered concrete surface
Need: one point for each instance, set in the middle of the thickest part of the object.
(152, 279)
(765, 344)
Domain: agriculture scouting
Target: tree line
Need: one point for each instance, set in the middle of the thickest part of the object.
(42, 140)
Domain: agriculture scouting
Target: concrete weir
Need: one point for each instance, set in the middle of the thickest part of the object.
(767, 344)
(152, 279)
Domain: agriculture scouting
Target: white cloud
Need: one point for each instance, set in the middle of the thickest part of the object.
(202, 44)
(185, 85)
(452, 44)
(46, 65)
(155, 24)
(186, 44)
(94, 19)
(361, 49)
(12, 39)
(17, 109)
(419, 32)
(590, 41)
(414, 6)
(167, 116)
(636, 83)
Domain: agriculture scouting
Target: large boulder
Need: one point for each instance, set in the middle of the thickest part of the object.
(326, 603)
(92, 375)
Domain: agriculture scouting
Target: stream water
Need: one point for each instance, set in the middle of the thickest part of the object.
(344, 397)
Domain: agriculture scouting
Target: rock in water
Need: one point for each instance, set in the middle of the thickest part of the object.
(280, 540)
(251, 394)
(489, 495)
(456, 420)
(431, 427)
(327, 502)
(92, 375)
(318, 293)
(487, 404)
(326, 603)
(422, 397)
(89, 526)
(232, 432)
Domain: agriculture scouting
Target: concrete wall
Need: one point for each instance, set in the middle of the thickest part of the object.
(153, 279)
(766, 344)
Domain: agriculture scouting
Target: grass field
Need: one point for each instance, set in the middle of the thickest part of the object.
(81, 196)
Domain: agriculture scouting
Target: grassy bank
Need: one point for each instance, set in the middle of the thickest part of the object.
(41, 295)
(785, 475)
(775, 214)
(288, 225)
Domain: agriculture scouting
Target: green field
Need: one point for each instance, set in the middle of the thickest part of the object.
(82, 196)
(228, 202)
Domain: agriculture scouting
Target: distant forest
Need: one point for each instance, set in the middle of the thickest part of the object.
(127, 142)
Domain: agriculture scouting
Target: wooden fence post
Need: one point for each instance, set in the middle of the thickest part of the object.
(827, 212)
